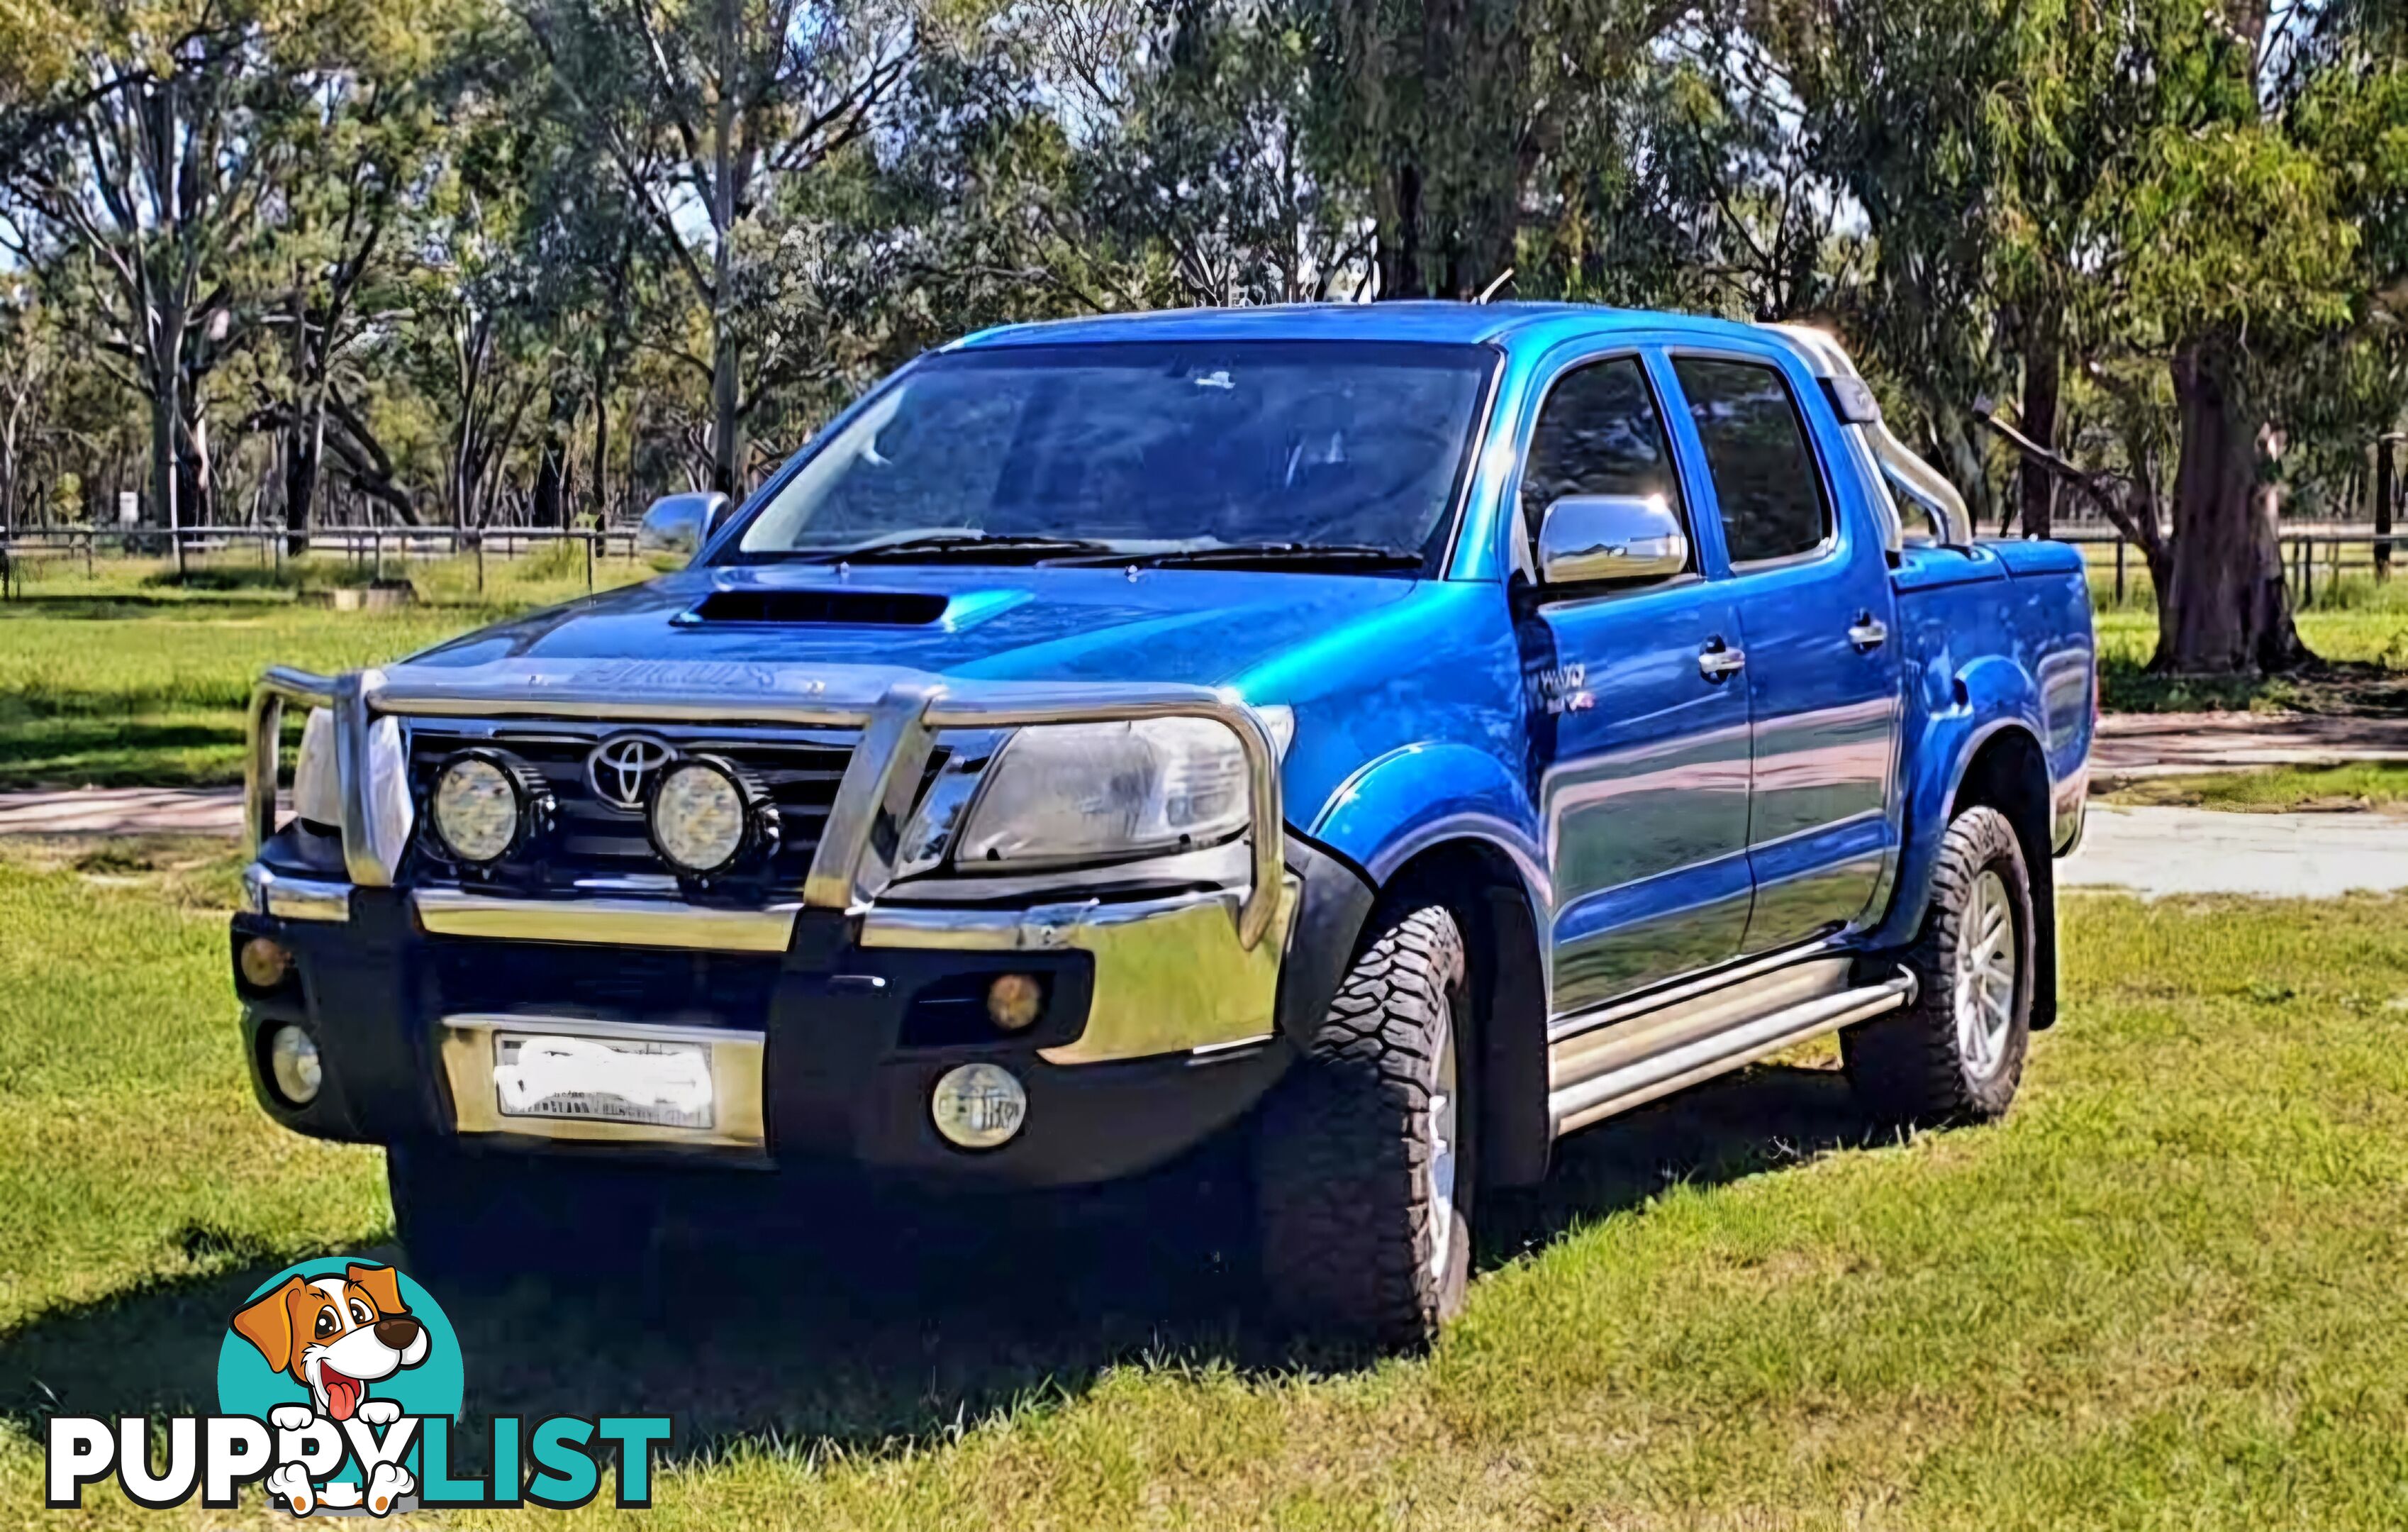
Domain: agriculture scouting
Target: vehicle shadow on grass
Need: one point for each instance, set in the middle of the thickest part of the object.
(895, 1326)
(1761, 1119)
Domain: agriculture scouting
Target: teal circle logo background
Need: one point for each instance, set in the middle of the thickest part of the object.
(247, 1385)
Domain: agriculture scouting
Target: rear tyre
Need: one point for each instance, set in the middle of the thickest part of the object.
(481, 1221)
(1363, 1164)
(1956, 1054)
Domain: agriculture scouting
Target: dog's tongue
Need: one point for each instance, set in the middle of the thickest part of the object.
(342, 1393)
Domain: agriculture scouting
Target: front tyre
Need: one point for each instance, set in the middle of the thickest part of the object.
(1364, 1170)
(1956, 1054)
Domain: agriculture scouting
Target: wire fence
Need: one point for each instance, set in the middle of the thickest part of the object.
(372, 554)
(2320, 564)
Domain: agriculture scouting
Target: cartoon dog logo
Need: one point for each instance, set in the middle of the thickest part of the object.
(335, 1335)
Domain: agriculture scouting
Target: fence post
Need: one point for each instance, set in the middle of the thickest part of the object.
(481, 566)
(2119, 571)
(589, 563)
(90, 537)
(2385, 485)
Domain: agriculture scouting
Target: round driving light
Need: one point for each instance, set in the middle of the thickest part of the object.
(708, 813)
(979, 1106)
(264, 962)
(1013, 1000)
(487, 804)
(294, 1065)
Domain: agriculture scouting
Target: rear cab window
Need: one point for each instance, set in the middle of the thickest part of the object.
(1768, 483)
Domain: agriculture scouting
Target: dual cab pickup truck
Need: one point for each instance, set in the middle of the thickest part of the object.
(1402, 735)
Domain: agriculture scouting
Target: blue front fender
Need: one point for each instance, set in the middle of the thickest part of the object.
(1414, 798)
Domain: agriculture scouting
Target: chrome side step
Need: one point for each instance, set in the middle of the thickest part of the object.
(1584, 1089)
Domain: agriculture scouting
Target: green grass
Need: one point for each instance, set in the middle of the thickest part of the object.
(2362, 784)
(2358, 628)
(2165, 1292)
(129, 679)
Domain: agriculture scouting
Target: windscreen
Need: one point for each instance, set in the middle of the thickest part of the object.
(1145, 447)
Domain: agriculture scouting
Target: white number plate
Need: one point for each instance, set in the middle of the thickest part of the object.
(604, 1079)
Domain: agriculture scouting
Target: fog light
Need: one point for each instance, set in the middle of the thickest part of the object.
(979, 1106)
(294, 1065)
(1012, 1001)
(263, 961)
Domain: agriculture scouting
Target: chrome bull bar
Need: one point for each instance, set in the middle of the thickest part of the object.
(898, 714)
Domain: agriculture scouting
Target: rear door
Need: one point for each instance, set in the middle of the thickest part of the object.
(1639, 754)
(1812, 587)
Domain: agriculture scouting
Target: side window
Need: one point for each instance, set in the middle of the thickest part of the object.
(1764, 472)
(1598, 433)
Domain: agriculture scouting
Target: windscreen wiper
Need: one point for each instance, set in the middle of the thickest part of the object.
(1281, 555)
(958, 548)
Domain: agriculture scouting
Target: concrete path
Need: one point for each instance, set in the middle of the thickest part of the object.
(124, 810)
(2138, 745)
(2159, 851)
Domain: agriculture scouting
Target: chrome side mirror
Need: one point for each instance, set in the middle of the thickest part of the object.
(1587, 538)
(678, 525)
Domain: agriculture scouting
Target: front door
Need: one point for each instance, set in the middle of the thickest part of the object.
(1822, 672)
(1640, 750)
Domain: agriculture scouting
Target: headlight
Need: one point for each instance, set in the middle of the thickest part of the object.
(318, 784)
(1069, 792)
(486, 804)
(708, 815)
(317, 792)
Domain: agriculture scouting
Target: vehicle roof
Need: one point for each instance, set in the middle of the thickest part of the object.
(1409, 319)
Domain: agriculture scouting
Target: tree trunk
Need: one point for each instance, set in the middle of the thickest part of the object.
(163, 467)
(2385, 494)
(303, 451)
(546, 508)
(2225, 609)
(11, 467)
(1400, 226)
(197, 491)
(554, 476)
(2043, 364)
(601, 449)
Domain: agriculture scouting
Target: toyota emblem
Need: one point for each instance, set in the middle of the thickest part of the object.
(619, 769)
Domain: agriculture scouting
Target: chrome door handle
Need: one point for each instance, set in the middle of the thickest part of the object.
(1718, 660)
(1868, 632)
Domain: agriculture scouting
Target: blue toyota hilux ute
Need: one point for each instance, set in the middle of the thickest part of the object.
(1400, 735)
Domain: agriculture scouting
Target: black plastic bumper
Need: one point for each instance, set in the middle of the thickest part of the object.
(854, 1038)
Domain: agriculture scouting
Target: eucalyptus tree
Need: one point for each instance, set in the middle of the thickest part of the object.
(1910, 110)
(140, 157)
(1690, 183)
(365, 135)
(29, 361)
(1212, 152)
(473, 339)
(1443, 114)
(703, 108)
(2236, 264)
